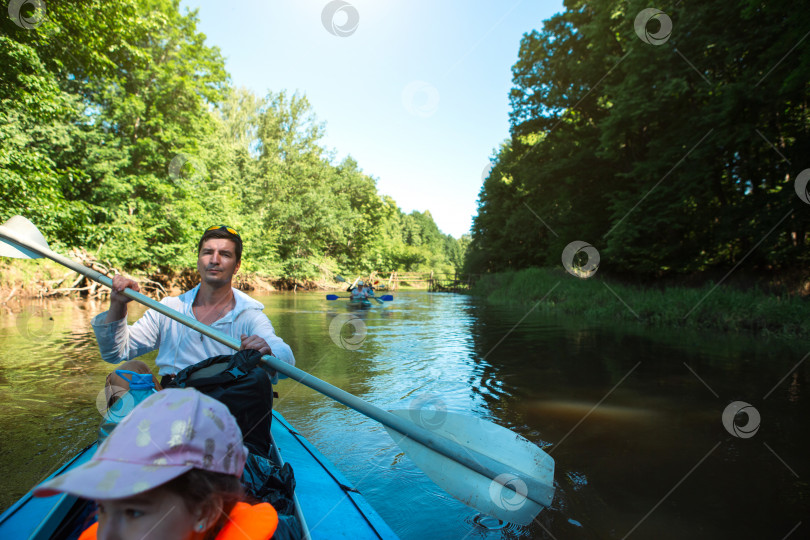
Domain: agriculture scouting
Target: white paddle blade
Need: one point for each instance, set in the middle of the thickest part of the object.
(526, 480)
(25, 230)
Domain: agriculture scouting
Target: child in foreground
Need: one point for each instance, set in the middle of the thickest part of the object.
(169, 470)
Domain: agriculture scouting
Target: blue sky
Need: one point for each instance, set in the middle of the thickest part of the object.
(416, 91)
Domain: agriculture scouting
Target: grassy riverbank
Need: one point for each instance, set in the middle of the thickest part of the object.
(708, 307)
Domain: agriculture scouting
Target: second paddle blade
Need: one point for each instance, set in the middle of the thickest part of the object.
(517, 493)
(26, 230)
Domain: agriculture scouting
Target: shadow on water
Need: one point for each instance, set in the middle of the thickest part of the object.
(632, 416)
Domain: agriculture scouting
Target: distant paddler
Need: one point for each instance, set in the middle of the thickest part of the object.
(359, 293)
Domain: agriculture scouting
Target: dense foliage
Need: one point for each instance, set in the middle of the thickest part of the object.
(669, 159)
(120, 132)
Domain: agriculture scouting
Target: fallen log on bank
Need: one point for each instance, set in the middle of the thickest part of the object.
(89, 288)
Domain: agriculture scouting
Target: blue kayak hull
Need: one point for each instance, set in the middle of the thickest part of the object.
(360, 303)
(329, 506)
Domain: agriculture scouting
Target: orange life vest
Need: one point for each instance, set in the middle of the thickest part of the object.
(247, 522)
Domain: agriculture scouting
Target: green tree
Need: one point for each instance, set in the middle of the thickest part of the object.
(654, 154)
(124, 136)
(35, 118)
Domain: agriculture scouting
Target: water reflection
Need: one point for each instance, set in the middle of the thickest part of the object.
(632, 417)
(629, 414)
(49, 377)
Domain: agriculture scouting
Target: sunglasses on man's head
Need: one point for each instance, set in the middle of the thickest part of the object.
(223, 228)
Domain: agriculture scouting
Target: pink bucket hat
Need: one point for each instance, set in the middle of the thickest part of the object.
(169, 433)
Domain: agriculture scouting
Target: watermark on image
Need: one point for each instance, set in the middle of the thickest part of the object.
(186, 166)
(802, 179)
(27, 13)
(348, 331)
(340, 18)
(124, 402)
(580, 259)
(508, 491)
(649, 17)
(428, 411)
(35, 323)
(736, 413)
(541, 220)
(420, 99)
(486, 171)
(773, 146)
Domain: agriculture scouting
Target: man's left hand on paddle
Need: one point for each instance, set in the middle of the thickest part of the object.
(255, 342)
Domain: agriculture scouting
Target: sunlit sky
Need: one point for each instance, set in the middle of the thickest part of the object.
(416, 91)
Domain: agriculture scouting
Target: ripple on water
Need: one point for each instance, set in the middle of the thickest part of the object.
(540, 377)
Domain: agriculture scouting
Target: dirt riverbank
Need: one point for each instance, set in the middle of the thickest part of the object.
(24, 279)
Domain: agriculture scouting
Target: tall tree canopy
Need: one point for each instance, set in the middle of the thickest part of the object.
(125, 136)
(668, 158)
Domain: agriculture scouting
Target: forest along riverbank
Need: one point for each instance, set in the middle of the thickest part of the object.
(711, 306)
(41, 279)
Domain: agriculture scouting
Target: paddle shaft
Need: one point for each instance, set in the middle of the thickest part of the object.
(479, 463)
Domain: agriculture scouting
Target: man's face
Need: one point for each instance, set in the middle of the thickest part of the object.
(217, 262)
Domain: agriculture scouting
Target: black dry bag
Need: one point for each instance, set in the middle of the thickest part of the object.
(238, 382)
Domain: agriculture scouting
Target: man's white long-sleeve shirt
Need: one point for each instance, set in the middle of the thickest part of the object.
(180, 346)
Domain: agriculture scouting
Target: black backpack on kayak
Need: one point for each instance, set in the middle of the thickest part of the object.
(244, 387)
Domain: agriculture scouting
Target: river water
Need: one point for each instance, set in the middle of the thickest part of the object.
(633, 417)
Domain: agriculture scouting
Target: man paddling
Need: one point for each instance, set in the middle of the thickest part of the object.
(213, 302)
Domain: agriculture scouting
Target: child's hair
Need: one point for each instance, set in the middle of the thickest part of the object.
(205, 489)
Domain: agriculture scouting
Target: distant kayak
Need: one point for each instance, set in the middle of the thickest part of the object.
(360, 303)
